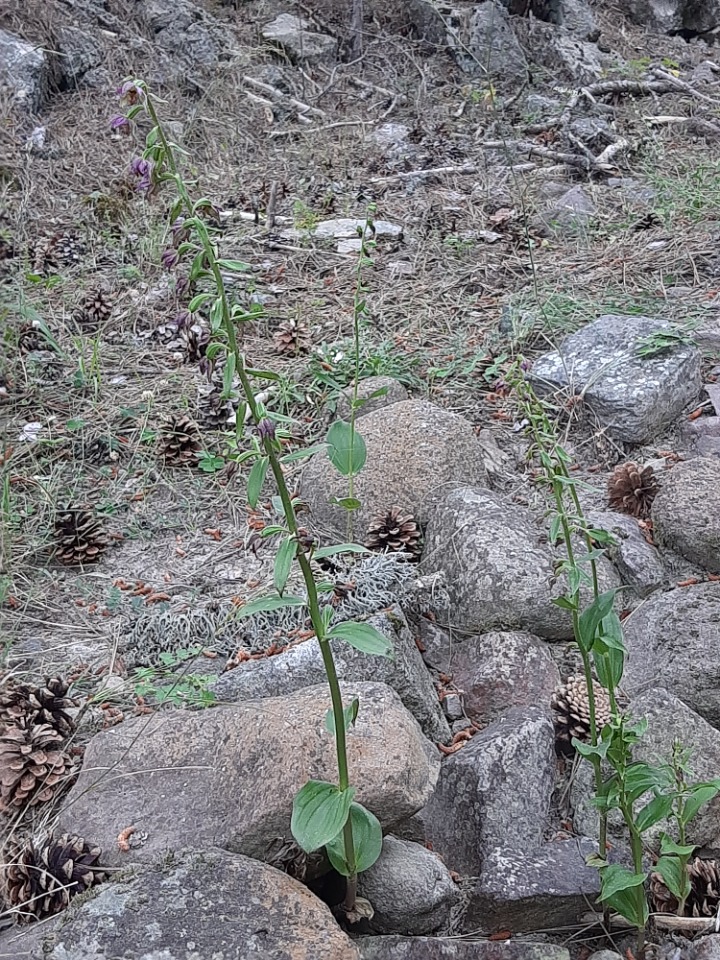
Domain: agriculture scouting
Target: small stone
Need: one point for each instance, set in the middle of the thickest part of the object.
(638, 562)
(418, 907)
(635, 397)
(686, 512)
(297, 39)
(392, 392)
(453, 706)
(23, 71)
(674, 16)
(573, 210)
(390, 136)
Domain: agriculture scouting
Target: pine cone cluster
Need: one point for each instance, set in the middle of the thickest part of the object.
(632, 489)
(79, 537)
(179, 441)
(48, 704)
(292, 337)
(40, 879)
(704, 898)
(571, 710)
(94, 310)
(395, 532)
(214, 412)
(32, 764)
(62, 249)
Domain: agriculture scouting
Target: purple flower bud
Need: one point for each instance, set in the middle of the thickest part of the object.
(266, 429)
(182, 320)
(183, 285)
(130, 93)
(525, 365)
(180, 232)
(120, 122)
(144, 169)
(169, 258)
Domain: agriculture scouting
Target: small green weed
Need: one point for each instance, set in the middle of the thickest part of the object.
(164, 687)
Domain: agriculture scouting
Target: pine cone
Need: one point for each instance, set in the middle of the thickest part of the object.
(30, 339)
(632, 489)
(194, 340)
(704, 898)
(40, 879)
(572, 710)
(94, 310)
(292, 337)
(213, 411)
(79, 537)
(38, 705)
(395, 532)
(179, 441)
(32, 764)
(99, 450)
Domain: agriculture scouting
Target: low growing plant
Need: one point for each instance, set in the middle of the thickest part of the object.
(324, 814)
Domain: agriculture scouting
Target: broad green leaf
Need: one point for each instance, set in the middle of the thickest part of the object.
(266, 604)
(640, 777)
(592, 616)
(256, 480)
(262, 374)
(363, 637)
(216, 315)
(319, 813)
(555, 528)
(236, 266)
(668, 847)
(367, 842)
(198, 300)
(609, 665)
(347, 503)
(616, 878)
(653, 812)
(699, 796)
(303, 454)
(673, 872)
(346, 448)
(339, 548)
(588, 750)
(611, 632)
(283, 564)
(564, 603)
(349, 715)
(228, 374)
(600, 536)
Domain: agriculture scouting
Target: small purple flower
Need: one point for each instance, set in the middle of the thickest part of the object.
(180, 232)
(525, 365)
(182, 320)
(266, 429)
(183, 285)
(121, 123)
(130, 93)
(143, 169)
(169, 258)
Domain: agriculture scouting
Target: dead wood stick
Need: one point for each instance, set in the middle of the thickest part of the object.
(271, 204)
(327, 126)
(692, 124)
(431, 172)
(279, 96)
(679, 84)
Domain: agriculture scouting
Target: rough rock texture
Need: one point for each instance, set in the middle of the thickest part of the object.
(534, 890)
(23, 71)
(686, 512)
(494, 792)
(673, 639)
(639, 563)
(481, 38)
(79, 52)
(497, 671)
(635, 397)
(297, 39)
(227, 776)
(199, 906)
(571, 212)
(429, 948)
(302, 666)
(565, 56)
(186, 35)
(668, 719)
(415, 452)
(671, 16)
(498, 573)
(438, 646)
(702, 437)
(410, 889)
(394, 393)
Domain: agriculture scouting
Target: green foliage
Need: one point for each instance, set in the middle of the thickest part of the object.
(367, 842)
(346, 448)
(319, 813)
(164, 687)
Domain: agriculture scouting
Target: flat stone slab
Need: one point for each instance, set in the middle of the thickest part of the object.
(431, 948)
(635, 397)
(295, 36)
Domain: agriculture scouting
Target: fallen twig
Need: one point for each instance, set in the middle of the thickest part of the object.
(430, 172)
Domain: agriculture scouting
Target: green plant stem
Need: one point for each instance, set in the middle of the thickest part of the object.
(284, 493)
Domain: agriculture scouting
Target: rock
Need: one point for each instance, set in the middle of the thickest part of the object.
(494, 792)
(186, 35)
(344, 231)
(436, 645)
(565, 56)
(195, 906)
(577, 18)
(594, 131)
(302, 666)
(499, 572)
(394, 392)
(523, 892)
(296, 39)
(453, 707)
(415, 452)
(708, 948)
(481, 39)
(674, 638)
(639, 563)
(391, 137)
(23, 72)
(429, 948)
(79, 51)
(686, 512)
(573, 210)
(410, 889)
(702, 437)
(604, 955)
(540, 107)
(674, 16)
(635, 397)
(227, 776)
(497, 671)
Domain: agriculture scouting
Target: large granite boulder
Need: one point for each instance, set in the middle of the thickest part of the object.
(686, 512)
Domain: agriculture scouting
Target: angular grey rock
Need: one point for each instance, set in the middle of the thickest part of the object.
(577, 18)
(186, 35)
(79, 52)
(23, 71)
(499, 573)
(638, 562)
(436, 645)
(594, 131)
(686, 512)
(302, 666)
(416, 451)
(227, 776)
(635, 397)
(494, 792)
(702, 437)
(523, 892)
(674, 639)
(674, 16)
(566, 56)
(572, 211)
(430, 948)
(707, 948)
(201, 905)
(410, 888)
(394, 393)
(298, 40)
(497, 671)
